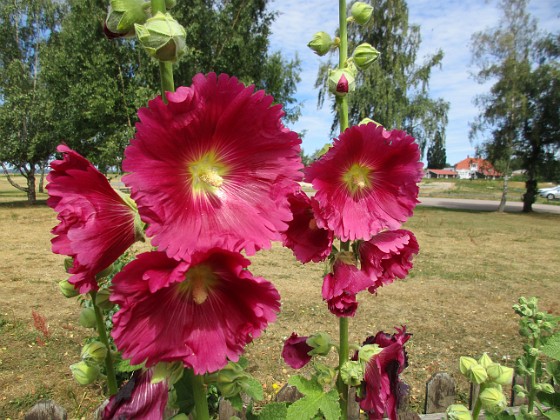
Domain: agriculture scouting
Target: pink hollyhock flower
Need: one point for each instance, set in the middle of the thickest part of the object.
(295, 351)
(96, 223)
(381, 389)
(303, 237)
(139, 398)
(388, 255)
(202, 312)
(341, 286)
(225, 166)
(366, 182)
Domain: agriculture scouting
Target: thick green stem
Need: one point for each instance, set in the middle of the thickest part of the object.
(477, 406)
(200, 401)
(343, 358)
(165, 67)
(101, 330)
(533, 385)
(342, 57)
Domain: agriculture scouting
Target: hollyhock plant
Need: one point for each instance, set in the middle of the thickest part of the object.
(303, 236)
(201, 312)
(139, 399)
(296, 351)
(366, 182)
(388, 255)
(225, 166)
(342, 285)
(97, 225)
(381, 389)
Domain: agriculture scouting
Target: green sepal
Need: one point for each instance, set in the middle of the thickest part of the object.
(500, 374)
(458, 412)
(352, 373)
(485, 360)
(170, 371)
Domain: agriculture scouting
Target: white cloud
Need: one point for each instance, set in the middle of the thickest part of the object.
(448, 25)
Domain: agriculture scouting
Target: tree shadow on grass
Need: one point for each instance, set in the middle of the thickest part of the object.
(20, 204)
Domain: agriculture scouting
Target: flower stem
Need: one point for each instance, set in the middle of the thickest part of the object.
(342, 358)
(165, 67)
(533, 384)
(342, 102)
(477, 406)
(199, 394)
(102, 331)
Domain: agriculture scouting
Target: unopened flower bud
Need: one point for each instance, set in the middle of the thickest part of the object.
(485, 360)
(499, 374)
(170, 371)
(67, 289)
(341, 82)
(228, 380)
(367, 351)
(325, 374)
(170, 4)
(352, 373)
(162, 37)
(122, 15)
(458, 412)
(367, 121)
(87, 318)
(321, 43)
(493, 400)
(546, 388)
(321, 343)
(364, 55)
(361, 12)
(84, 373)
(94, 351)
(477, 374)
(466, 363)
(102, 299)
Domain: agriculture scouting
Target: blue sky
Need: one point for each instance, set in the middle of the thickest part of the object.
(445, 24)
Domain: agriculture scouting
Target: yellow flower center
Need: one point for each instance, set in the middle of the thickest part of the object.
(207, 174)
(357, 178)
(198, 283)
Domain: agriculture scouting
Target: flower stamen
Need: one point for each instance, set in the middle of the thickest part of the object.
(207, 174)
(357, 178)
(198, 283)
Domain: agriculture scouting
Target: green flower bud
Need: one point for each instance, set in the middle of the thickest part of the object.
(162, 37)
(67, 289)
(500, 374)
(105, 273)
(102, 299)
(170, 4)
(485, 360)
(361, 12)
(124, 14)
(493, 400)
(364, 55)
(321, 343)
(321, 43)
(172, 371)
(325, 374)
(341, 82)
(466, 363)
(367, 351)
(546, 388)
(84, 373)
(352, 373)
(139, 225)
(87, 318)
(94, 351)
(68, 263)
(458, 412)
(229, 379)
(367, 121)
(477, 374)
(534, 352)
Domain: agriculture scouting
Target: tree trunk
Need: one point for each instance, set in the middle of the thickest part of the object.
(529, 196)
(31, 194)
(42, 165)
(11, 181)
(502, 206)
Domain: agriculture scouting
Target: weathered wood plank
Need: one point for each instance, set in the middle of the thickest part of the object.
(46, 410)
(440, 393)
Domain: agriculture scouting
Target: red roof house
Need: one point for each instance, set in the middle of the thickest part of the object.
(473, 168)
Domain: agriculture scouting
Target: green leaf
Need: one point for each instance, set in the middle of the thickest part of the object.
(552, 347)
(236, 402)
(253, 388)
(271, 411)
(125, 366)
(315, 401)
(553, 369)
(549, 400)
(553, 414)
(184, 393)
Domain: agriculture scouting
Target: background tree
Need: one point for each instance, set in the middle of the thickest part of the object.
(503, 56)
(437, 158)
(25, 103)
(394, 91)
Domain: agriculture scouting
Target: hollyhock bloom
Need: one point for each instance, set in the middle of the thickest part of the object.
(295, 351)
(303, 237)
(381, 389)
(139, 398)
(96, 224)
(388, 255)
(366, 182)
(201, 312)
(341, 286)
(225, 166)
